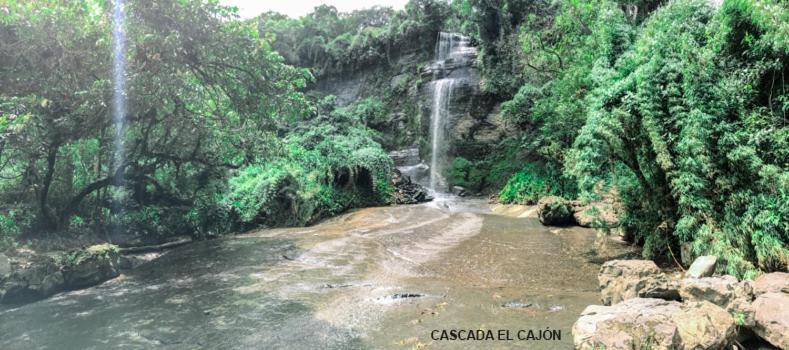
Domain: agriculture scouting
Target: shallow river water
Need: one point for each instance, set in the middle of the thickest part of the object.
(376, 278)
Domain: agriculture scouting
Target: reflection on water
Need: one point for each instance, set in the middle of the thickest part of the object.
(374, 278)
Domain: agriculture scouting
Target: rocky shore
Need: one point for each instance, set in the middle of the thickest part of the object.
(645, 308)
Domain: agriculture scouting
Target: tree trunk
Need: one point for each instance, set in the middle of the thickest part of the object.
(48, 216)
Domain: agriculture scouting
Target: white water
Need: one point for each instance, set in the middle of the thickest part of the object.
(118, 89)
(442, 94)
(452, 49)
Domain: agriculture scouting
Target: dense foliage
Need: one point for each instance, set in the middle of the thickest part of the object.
(218, 134)
(682, 110)
(331, 42)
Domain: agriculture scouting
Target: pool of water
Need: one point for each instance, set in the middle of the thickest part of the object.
(375, 278)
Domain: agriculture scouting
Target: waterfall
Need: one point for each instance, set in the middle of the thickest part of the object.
(452, 51)
(118, 90)
(442, 93)
(444, 45)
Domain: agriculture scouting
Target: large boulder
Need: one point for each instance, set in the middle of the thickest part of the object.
(725, 291)
(552, 210)
(774, 282)
(703, 325)
(595, 214)
(771, 314)
(625, 279)
(34, 278)
(703, 266)
(91, 266)
(646, 323)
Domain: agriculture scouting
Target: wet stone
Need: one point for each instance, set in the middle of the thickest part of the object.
(407, 295)
(516, 305)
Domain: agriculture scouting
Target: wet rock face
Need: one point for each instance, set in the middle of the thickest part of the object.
(473, 122)
(642, 323)
(771, 315)
(553, 210)
(405, 157)
(626, 279)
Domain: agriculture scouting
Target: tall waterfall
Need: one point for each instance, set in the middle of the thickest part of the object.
(118, 90)
(452, 51)
(442, 93)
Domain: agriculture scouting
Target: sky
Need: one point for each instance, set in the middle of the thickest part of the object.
(297, 8)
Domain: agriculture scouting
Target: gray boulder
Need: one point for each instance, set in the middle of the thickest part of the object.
(703, 266)
(771, 315)
(645, 323)
(552, 210)
(626, 279)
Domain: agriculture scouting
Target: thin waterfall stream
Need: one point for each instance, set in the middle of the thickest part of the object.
(118, 92)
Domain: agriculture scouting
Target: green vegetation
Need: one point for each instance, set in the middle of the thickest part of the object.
(219, 135)
(677, 106)
(683, 110)
(331, 42)
(535, 181)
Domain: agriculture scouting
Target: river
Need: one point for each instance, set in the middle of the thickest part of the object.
(375, 278)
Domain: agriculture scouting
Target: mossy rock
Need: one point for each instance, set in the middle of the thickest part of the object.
(555, 211)
(91, 266)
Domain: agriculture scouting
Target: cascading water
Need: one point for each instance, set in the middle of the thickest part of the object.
(452, 51)
(118, 90)
(442, 94)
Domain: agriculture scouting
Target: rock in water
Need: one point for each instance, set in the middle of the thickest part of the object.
(626, 279)
(645, 323)
(407, 191)
(771, 313)
(703, 266)
(552, 210)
